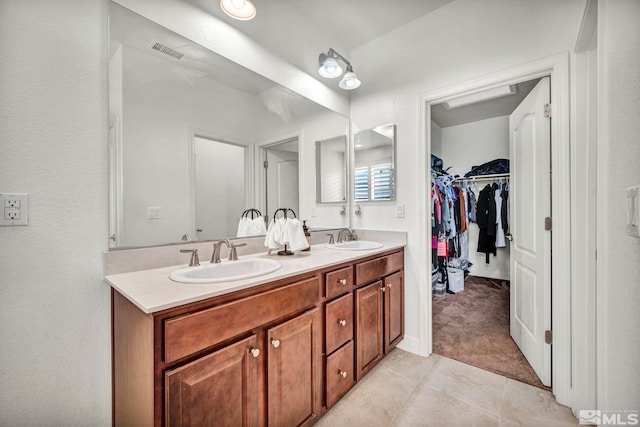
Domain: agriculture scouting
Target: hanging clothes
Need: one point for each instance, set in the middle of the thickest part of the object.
(500, 240)
(486, 220)
(504, 209)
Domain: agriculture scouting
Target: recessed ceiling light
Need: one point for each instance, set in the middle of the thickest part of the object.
(242, 10)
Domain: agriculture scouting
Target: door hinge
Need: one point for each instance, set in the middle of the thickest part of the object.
(548, 337)
(265, 164)
(547, 111)
(547, 223)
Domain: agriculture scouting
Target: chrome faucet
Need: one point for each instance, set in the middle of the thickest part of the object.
(233, 253)
(215, 256)
(344, 235)
(194, 261)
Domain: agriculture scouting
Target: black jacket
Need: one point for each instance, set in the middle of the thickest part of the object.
(486, 220)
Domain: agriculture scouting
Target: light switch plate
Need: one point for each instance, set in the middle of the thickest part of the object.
(15, 209)
(400, 211)
(633, 211)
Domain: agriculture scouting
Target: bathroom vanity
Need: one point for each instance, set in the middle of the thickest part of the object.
(277, 352)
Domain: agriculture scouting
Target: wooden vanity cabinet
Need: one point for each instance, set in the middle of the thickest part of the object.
(279, 354)
(379, 309)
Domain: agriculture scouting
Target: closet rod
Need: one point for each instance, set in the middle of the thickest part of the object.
(484, 177)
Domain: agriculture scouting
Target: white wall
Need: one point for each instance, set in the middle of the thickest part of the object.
(618, 288)
(436, 139)
(162, 109)
(314, 124)
(472, 144)
(460, 41)
(55, 351)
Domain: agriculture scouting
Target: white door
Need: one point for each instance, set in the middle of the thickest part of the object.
(219, 188)
(530, 194)
(282, 183)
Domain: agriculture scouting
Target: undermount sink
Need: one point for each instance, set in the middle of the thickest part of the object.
(354, 245)
(226, 271)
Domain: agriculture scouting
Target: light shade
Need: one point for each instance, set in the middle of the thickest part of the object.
(349, 81)
(242, 10)
(329, 67)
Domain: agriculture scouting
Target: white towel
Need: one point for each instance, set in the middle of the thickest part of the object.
(275, 238)
(251, 227)
(294, 235)
(243, 227)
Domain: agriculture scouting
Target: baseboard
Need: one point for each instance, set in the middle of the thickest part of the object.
(410, 344)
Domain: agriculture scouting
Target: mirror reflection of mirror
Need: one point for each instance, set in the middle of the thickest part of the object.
(331, 170)
(173, 104)
(374, 160)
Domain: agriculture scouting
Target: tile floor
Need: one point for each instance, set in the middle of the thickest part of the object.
(409, 390)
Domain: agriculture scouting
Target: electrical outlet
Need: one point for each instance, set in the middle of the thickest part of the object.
(154, 212)
(11, 214)
(16, 209)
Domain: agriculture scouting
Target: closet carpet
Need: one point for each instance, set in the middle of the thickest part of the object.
(472, 326)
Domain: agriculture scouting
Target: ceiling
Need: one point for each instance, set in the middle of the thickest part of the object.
(498, 107)
(352, 22)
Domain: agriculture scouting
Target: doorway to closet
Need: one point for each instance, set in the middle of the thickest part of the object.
(490, 186)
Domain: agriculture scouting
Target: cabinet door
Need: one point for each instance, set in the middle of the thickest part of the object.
(220, 389)
(294, 373)
(393, 310)
(369, 327)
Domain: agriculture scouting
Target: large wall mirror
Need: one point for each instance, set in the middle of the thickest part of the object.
(374, 160)
(331, 170)
(190, 133)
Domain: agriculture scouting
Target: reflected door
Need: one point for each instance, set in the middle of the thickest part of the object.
(282, 180)
(530, 192)
(219, 188)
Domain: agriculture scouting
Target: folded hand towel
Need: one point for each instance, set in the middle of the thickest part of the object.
(275, 238)
(294, 235)
(257, 226)
(243, 227)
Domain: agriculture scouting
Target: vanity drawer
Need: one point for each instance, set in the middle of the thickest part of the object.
(339, 373)
(193, 332)
(339, 282)
(339, 322)
(379, 267)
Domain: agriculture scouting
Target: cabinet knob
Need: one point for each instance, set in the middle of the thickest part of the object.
(342, 322)
(342, 281)
(382, 288)
(342, 373)
(275, 343)
(255, 352)
(389, 285)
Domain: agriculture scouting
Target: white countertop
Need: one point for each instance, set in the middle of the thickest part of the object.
(152, 290)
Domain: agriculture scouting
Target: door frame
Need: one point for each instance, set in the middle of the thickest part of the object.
(557, 68)
(261, 156)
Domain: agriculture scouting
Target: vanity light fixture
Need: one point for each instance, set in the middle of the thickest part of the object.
(330, 68)
(242, 10)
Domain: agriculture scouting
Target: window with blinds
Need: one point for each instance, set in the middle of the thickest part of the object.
(362, 183)
(381, 182)
(375, 183)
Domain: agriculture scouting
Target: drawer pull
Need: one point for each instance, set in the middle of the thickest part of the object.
(275, 343)
(255, 352)
(342, 322)
(342, 281)
(342, 373)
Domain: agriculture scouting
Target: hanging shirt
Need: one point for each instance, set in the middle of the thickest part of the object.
(500, 240)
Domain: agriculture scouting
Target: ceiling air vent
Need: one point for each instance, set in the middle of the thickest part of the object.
(167, 50)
